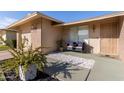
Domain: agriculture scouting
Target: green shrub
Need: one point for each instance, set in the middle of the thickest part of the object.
(3, 47)
(14, 43)
(2, 77)
(11, 43)
(24, 58)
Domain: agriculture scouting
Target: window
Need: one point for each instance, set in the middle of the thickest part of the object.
(73, 34)
(79, 34)
(83, 34)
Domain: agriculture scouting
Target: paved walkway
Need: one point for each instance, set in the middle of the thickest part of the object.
(105, 68)
(4, 55)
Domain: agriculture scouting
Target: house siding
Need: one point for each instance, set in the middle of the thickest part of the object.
(44, 35)
(121, 38)
(36, 33)
(94, 38)
(26, 34)
(50, 35)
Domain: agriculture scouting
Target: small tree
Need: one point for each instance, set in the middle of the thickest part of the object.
(23, 61)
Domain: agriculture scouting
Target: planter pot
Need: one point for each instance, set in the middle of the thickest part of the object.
(30, 74)
(61, 49)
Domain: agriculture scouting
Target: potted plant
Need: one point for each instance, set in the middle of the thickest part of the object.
(26, 63)
(60, 45)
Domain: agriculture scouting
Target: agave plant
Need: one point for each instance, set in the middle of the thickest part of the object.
(24, 60)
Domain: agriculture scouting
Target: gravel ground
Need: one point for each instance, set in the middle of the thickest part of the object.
(81, 62)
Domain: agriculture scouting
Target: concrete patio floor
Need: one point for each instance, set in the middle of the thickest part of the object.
(105, 69)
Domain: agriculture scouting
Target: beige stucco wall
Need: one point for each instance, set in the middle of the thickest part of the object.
(94, 38)
(44, 35)
(32, 35)
(94, 34)
(65, 33)
(36, 33)
(121, 38)
(26, 33)
(50, 35)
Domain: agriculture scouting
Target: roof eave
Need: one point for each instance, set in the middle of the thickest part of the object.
(32, 17)
(93, 19)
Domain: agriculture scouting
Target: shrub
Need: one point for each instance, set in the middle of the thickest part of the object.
(24, 58)
(11, 43)
(2, 77)
(3, 47)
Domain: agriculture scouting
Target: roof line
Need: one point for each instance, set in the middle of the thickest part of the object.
(8, 30)
(54, 19)
(33, 15)
(114, 14)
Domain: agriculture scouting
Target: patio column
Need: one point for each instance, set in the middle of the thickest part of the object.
(18, 38)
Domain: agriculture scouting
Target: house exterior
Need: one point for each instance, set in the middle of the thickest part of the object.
(39, 30)
(7, 35)
(104, 34)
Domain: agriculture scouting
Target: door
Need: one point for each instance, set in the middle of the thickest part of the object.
(108, 35)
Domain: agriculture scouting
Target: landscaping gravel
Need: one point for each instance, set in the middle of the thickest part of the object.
(82, 62)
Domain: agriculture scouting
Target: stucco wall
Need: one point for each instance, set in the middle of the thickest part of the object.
(94, 38)
(121, 38)
(36, 33)
(94, 35)
(50, 35)
(44, 35)
(26, 33)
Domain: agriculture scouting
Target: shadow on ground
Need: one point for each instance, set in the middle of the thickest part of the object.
(56, 68)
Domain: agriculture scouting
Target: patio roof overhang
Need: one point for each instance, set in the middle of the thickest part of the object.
(98, 18)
